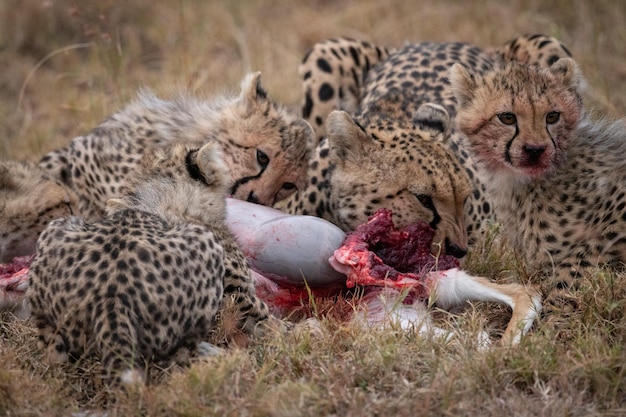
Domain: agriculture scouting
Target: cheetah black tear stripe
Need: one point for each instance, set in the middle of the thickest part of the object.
(507, 152)
(242, 181)
(193, 169)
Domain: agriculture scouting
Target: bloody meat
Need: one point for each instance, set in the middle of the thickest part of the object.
(14, 277)
(18, 263)
(377, 253)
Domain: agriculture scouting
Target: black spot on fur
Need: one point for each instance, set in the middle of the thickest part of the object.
(324, 66)
(355, 56)
(308, 105)
(326, 92)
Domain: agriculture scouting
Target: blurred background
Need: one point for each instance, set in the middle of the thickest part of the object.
(65, 65)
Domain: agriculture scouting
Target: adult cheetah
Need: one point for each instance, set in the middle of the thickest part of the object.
(419, 179)
(146, 282)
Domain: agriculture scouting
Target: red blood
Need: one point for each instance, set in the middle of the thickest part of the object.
(285, 300)
(406, 250)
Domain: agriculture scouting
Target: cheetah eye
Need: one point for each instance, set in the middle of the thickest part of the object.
(289, 186)
(426, 201)
(553, 117)
(262, 158)
(507, 118)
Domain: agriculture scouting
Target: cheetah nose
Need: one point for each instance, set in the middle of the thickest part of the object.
(533, 152)
(455, 250)
(252, 198)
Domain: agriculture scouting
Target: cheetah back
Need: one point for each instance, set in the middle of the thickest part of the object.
(130, 286)
(148, 280)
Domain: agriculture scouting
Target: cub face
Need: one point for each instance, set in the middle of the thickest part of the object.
(518, 120)
(265, 145)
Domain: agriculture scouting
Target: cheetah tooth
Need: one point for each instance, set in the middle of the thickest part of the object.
(289, 249)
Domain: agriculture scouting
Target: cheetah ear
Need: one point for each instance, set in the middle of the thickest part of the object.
(568, 71)
(251, 88)
(210, 162)
(463, 84)
(347, 140)
(434, 118)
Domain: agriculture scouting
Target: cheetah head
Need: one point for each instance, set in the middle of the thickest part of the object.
(519, 119)
(403, 168)
(266, 146)
(179, 181)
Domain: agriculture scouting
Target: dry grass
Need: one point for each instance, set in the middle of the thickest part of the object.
(67, 64)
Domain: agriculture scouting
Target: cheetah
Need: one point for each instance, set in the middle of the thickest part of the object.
(29, 199)
(556, 178)
(146, 282)
(366, 174)
(383, 89)
(265, 146)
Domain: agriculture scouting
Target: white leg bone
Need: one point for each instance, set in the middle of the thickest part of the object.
(453, 287)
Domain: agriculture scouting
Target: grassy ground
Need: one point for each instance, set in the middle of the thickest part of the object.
(65, 65)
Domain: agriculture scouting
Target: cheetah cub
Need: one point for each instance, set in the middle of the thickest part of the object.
(146, 282)
(264, 145)
(556, 177)
(29, 199)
